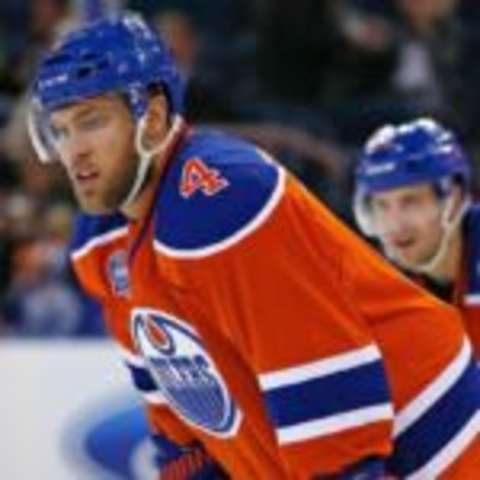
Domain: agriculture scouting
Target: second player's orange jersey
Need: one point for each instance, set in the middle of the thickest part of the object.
(254, 321)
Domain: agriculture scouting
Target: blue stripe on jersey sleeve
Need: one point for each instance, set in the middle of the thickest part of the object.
(420, 443)
(346, 391)
(87, 227)
(142, 378)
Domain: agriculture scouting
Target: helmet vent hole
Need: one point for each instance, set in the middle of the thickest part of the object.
(414, 166)
(85, 71)
(58, 60)
(88, 56)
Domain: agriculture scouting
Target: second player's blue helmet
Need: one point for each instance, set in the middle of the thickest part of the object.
(119, 53)
(421, 151)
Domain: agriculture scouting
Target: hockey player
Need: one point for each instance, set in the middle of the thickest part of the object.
(413, 194)
(255, 324)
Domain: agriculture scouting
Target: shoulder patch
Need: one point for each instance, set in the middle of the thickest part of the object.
(94, 230)
(218, 192)
(197, 176)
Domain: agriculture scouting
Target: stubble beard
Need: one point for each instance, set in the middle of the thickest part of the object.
(109, 198)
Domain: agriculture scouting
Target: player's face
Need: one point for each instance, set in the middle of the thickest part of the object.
(409, 223)
(95, 141)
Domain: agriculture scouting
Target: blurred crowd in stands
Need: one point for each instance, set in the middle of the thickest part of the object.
(307, 80)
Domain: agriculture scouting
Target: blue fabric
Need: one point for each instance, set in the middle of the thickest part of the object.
(88, 227)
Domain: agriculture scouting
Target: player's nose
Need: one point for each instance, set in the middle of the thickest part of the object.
(76, 150)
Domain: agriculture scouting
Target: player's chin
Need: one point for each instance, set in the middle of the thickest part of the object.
(93, 205)
(406, 260)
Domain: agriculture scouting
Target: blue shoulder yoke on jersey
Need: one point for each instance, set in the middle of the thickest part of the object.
(90, 228)
(204, 223)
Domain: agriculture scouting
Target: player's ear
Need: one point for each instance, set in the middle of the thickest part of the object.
(156, 122)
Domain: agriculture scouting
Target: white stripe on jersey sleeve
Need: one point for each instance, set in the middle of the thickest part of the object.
(340, 392)
(334, 424)
(320, 368)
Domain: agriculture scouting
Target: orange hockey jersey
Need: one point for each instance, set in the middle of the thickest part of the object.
(254, 321)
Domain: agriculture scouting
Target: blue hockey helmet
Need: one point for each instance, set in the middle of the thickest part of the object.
(421, 151)
(119, 53)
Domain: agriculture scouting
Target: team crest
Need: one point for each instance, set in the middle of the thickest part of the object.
(185, 373)
(118, 274)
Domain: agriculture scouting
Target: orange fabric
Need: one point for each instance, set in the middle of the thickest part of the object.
(300, 288)
(468, 468)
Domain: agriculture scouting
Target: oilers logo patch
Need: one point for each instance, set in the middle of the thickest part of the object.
(118, 274)
(184, 372)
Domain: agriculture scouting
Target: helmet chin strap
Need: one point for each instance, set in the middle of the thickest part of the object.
(146, 155)
(449, 226)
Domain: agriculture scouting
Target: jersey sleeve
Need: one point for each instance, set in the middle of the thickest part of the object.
(320, 371)
(436, 388)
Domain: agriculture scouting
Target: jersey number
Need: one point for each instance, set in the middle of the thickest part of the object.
(197, 176)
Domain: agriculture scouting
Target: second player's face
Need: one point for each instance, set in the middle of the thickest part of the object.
(95, 141)
(409, 223)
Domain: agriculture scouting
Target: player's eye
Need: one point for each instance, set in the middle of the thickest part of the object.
(380, 206)
(410, 202)
(93, 121)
